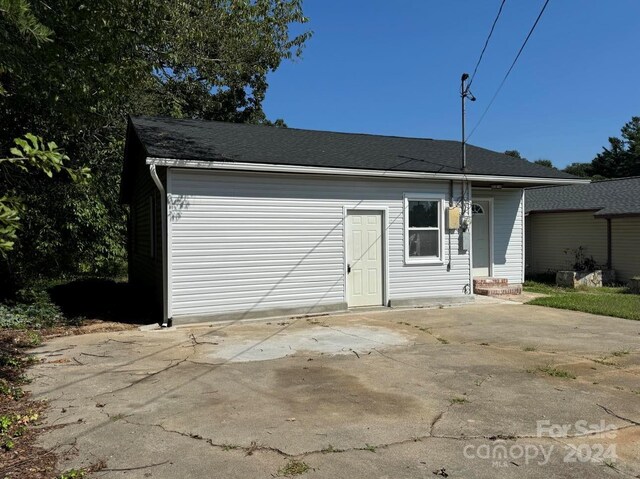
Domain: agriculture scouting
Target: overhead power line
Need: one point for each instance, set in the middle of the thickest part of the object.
(509, 71)
(473, 75)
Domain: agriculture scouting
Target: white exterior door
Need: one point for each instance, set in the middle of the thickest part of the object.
(364, 258)
(481, 244)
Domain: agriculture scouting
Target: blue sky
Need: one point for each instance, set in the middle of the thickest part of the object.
(393, 68)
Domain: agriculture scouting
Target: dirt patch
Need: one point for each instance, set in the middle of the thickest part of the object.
(87, 327)
(524, 297)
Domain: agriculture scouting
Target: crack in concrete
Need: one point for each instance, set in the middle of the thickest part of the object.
(609, 411)
(435, 421)
(134, 383)
(254, 446)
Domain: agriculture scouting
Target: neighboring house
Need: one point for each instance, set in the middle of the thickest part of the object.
(237, 221)
(602, 218)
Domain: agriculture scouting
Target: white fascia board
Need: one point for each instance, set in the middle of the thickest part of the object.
(321, 170)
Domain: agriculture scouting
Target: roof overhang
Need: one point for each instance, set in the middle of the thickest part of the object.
(521, 181)
(565, 210)
(596, 212)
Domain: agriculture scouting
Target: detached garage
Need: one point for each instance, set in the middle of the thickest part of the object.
(233, 221)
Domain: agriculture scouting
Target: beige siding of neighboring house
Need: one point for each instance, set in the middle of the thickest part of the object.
(551, 234)
(625, 254)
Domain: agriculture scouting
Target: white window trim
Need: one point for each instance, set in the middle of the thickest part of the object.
(423, 260)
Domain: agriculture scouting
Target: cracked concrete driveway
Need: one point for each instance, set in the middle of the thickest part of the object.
(473, 391)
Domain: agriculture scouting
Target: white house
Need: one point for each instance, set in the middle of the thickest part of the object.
(232, 221)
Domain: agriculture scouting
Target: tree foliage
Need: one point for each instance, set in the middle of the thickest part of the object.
(98, 62)
(514, 153)
(579, 169)
(545, 162)
(30, 154)
(621, 158)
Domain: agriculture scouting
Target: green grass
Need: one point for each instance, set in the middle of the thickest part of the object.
(293, 467)
(557, 373)
(606, 301)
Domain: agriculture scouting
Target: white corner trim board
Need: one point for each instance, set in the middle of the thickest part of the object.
(265, 167)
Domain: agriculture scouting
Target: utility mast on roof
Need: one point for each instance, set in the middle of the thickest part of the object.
(464, 93)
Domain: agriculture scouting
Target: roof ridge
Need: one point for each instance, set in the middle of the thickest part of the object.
(616, 179)
(200, 120)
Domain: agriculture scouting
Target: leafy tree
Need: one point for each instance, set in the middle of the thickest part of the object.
(545, 162)
(104, 60)
(514, 153)
(579, 169)
(622, 157)
(29, 153)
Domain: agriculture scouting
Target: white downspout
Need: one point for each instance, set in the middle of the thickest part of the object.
(164, 249)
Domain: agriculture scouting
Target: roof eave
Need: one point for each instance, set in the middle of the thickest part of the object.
(616, 215)
(565, 210)
(279, 168)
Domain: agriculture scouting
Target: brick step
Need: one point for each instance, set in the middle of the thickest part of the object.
(482, 282)
(498, 290)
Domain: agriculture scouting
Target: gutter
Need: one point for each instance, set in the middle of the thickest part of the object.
(163, 223)
(323, 170)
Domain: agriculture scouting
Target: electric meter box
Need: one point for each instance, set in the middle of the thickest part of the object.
(453, 218)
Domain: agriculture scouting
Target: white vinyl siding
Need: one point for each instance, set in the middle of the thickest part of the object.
(551, 234)
(508, 232)
(625, 254)
(243, 242)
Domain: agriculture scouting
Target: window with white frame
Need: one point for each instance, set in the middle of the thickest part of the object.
(423, 230)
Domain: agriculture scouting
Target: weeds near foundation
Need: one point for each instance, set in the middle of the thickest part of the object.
(293, 468)
(458, 400)
(556, 373)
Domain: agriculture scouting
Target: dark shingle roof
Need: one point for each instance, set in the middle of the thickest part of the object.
(607, 198)
(212, 140)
